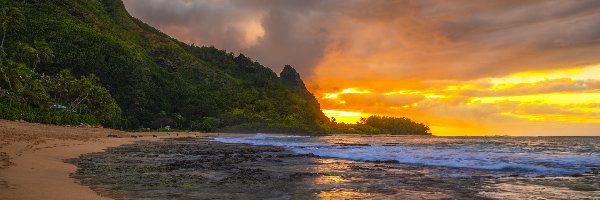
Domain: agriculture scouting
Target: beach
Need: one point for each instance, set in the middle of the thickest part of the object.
(32, 157)
(55, 162)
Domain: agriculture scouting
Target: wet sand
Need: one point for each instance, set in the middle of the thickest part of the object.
(32, 158)
(192, 166)
(200, 168)
(197, 168)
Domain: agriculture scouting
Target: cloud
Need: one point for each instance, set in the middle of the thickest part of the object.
(455, 58)
(487, 105)
(428, 39)
(274, 32)
(344, 101)
(435, 40)
(564, 85)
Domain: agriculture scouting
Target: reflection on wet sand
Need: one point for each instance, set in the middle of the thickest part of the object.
(198, 168)
(583, 187)
(342, 193)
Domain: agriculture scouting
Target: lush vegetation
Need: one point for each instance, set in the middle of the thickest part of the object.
(60, 98)
(89, 61)
(380, 125)
(57, 99)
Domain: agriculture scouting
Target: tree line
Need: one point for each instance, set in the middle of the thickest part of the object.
(72, 62)
(379, 125)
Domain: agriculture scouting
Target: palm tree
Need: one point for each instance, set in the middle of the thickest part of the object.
(9, 17)
(14, 76)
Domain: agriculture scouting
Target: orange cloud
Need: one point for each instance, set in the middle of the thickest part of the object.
(464, 67)
(484, 106)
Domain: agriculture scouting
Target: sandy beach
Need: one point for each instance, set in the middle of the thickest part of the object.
(54, 162)
(32, 157)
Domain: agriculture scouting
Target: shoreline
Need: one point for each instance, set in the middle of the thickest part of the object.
(57, 162)
(32, 164)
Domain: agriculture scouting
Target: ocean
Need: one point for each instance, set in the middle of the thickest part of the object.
(265, 166)
(524, 156)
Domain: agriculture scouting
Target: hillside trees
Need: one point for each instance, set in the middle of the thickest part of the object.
(59, 98)
(10, 18)
(89, 61)
(84, 96)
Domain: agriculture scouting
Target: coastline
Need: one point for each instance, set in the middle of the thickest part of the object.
(56, 162)
(32, 164)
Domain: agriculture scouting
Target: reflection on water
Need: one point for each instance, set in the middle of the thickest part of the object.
(526, 156)
(332, 180)
(448, 167)
(201, 169)
(544, 187)
(346, 179)
(342, 193)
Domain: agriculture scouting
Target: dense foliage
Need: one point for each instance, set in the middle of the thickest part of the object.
(89, 61)
(57, 99)
(157, 81)
(380, 125)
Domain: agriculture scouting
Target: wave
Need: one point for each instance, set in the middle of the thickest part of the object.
(502, 157)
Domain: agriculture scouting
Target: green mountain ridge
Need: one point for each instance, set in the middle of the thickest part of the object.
(89, 61)
(157, 80)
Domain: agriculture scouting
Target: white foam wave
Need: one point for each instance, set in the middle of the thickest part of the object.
(475, 157)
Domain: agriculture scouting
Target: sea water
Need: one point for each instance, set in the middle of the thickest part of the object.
(348, 167)
(501, 156)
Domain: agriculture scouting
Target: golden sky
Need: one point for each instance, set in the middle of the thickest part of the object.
(505, 67)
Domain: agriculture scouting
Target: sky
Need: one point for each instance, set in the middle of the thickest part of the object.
(465, 67)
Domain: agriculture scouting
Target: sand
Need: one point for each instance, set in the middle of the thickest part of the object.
(32, 157)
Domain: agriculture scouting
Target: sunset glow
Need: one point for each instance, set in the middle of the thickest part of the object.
(570, 95)
(477, 68)
(344, 116)
(300, 99)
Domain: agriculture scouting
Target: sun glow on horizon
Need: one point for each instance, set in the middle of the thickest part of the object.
(478, 107)
(497, 67)
(348, 117)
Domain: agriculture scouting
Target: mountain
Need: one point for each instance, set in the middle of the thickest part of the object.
(290, 78)
(155, 80)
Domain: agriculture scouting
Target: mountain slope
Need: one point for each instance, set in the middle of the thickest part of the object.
(157, 80)
(290, 78)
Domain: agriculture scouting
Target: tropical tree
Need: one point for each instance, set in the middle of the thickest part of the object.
(83, 96)
(14, 76)
(32, 56)
(24, 53)
(10, 18)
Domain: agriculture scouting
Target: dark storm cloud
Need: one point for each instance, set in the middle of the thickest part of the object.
(527, 34)
(423, 39)
(274, 32)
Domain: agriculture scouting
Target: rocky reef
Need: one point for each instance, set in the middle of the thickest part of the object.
(198, 168)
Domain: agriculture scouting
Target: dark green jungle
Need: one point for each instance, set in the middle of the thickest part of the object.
(89, 62)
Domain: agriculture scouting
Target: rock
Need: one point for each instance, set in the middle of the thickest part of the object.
(287, 155)
(112, 136)
(311, 155)
(351, 144)
(386, 161)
